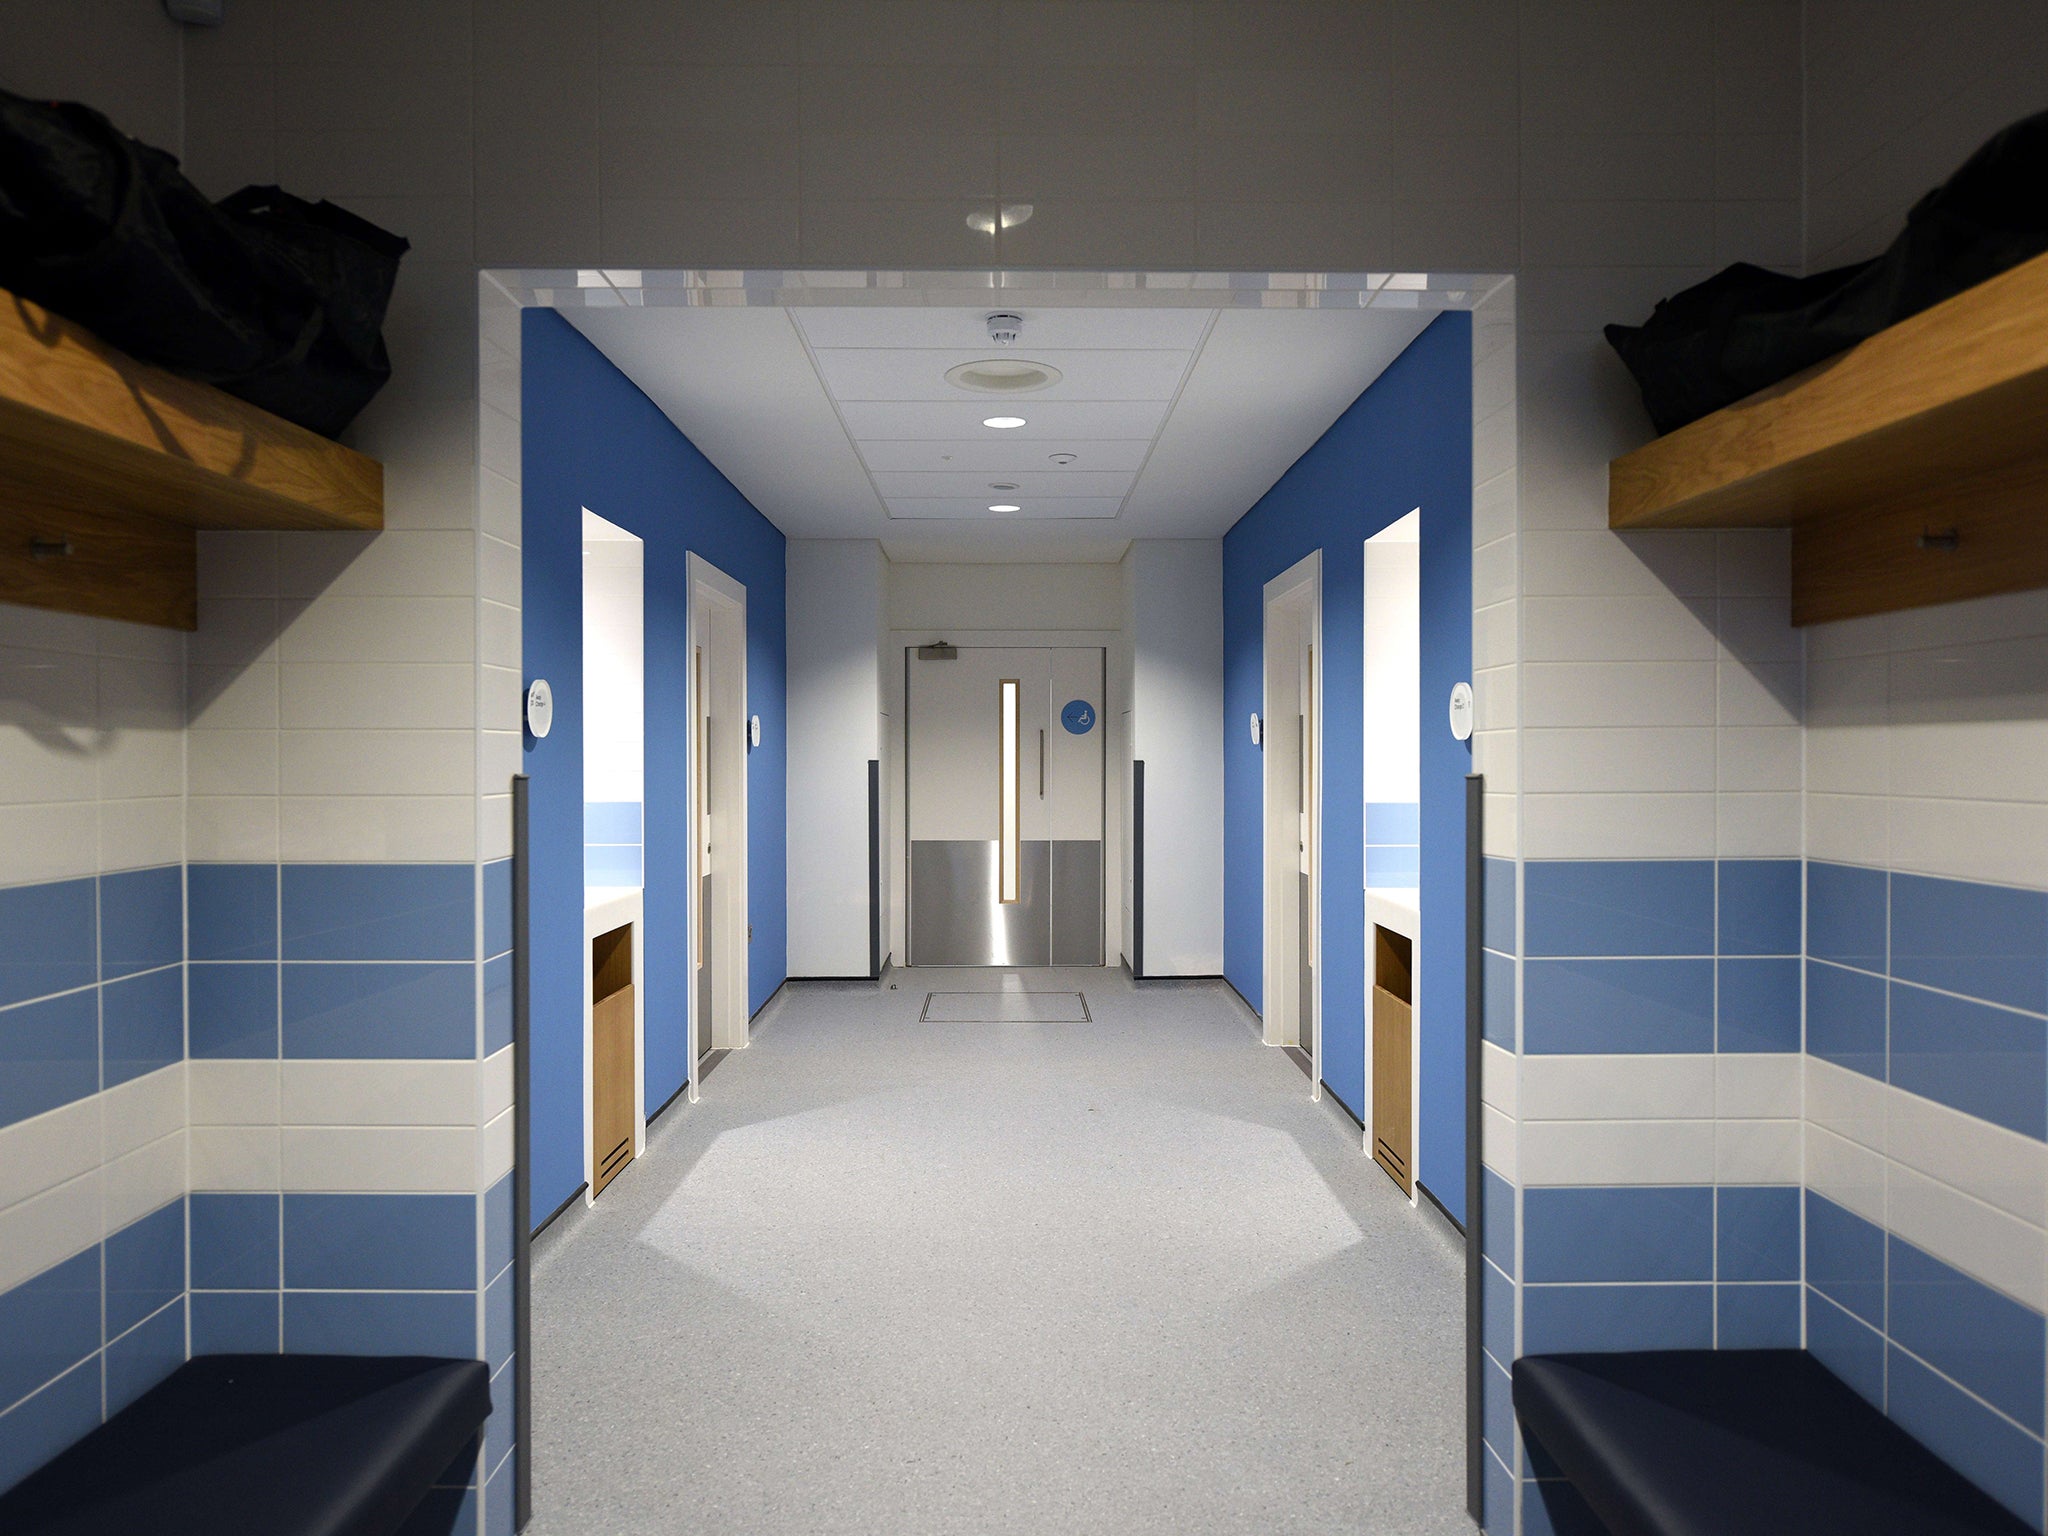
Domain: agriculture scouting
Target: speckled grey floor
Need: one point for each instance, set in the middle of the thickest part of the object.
(892, 1277)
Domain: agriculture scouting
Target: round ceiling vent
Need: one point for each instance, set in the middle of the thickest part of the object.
(1003, 376)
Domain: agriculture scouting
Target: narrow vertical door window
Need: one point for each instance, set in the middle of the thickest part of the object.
(701, 817)
(1010, 771)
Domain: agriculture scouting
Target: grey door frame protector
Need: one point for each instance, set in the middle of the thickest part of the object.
(1066, 863)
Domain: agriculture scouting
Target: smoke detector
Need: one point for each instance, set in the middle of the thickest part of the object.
(1061, 459)
(1004, 328)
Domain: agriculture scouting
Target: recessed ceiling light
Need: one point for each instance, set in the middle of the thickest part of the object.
(1061, 459)
(1010, 216)
(1002, 423)
(1002, 485)
(1003, 376)
(1005, 506)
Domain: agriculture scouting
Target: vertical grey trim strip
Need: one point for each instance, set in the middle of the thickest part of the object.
(909, 885)
(522, 1191)
(1138, 868)
(1475, 1235)
(874, 868)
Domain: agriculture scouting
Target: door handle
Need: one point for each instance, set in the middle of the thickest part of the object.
(1041, 765)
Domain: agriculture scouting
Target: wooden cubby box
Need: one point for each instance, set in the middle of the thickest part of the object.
(1912, 469)
(611, 1055)
(1393, 1056)
(109, 466)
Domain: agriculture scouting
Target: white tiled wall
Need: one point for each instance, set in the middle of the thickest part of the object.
(499, 518)
(92, 781)
(80, 1173)
(1496, 546)
(1897, 95)
(1928, 735)
(92, 753)
(1927, 731)
(1665, 1119)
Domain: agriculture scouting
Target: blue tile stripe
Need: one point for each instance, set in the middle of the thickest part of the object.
(106, 979)
(1959, 1364)
(1617, 1006)
(381, 1009)
(108, 1321)
(91, 986)
(1939, 987)
(1605, 908)
(142, 920)
(1626, 956)
(368, 1274)
(1988, 942)
(377, 911)
(388, 1242)
(1679, 1266)
(1618, 1234)
(49, 939)
(497, 883)
(1500, 1021)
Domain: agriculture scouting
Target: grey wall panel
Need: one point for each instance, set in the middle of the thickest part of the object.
(1076, 902)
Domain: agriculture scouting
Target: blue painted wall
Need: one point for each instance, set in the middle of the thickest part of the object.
(592, 439)
(1405, 443)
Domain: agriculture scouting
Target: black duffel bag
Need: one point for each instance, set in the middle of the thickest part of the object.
(272, 298)
(1745, 329)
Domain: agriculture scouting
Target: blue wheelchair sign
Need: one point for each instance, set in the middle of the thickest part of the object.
(1078, 717)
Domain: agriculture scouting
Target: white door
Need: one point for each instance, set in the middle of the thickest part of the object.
(1004, 790)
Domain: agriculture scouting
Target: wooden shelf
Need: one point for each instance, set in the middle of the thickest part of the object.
(108, 466)
(1912, 469)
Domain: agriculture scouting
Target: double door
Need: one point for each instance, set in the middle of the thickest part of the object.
(1004, 778)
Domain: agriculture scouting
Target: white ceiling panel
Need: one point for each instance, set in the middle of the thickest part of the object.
(1029, 482)
(920, 543)
(1269, 384)
(1049, 482)
(1094, 326)
(837, 422)
(739, 384)
(915, 373)
(1044, 419)
(975, 508)
(997, 452)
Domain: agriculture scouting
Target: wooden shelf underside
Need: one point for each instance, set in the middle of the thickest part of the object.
(108, 466)
(1912, 469)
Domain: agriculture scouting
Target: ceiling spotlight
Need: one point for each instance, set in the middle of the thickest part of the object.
(1005, 506)
(1002, 423)
(1009, 217)
(1002, 485)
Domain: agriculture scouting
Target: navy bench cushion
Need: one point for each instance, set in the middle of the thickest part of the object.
(262, 1445)
(1732, 1442)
